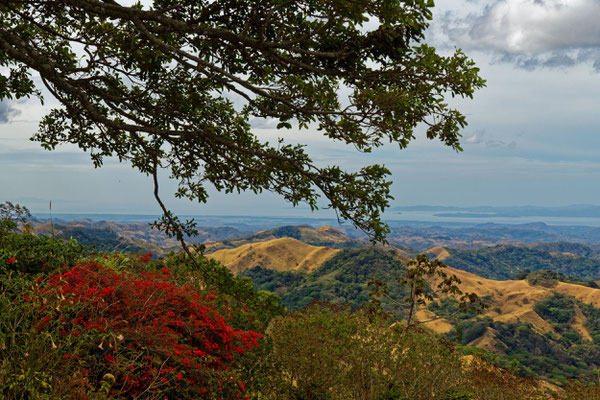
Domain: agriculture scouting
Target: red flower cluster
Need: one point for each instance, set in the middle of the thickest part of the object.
(11, 260)
(161, 338)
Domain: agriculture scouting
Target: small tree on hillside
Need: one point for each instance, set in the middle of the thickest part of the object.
(154, 85)
(422, 268)
(421, 274)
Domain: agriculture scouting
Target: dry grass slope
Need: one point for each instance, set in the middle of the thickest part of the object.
(285, 254)
(431, 321)
(438, 252)
(514, 300)
(325, 235)
(327, 232)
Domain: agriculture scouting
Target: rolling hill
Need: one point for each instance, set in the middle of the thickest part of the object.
(513, 301)
(545, 325)
(323, 236)
(283, 254)
(127, 237)
(538, 327)
(343, 279)
(506, 261)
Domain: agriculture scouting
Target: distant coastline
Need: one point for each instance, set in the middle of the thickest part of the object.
(467, 215)
(570, 211)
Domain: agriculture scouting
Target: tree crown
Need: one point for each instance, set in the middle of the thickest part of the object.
(153, 85)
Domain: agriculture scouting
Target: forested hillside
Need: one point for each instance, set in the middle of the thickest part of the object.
(505, 262)
(517, 331)
(341, 280)
(108, 236)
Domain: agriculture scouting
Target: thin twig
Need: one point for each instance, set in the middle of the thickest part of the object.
(174, 224)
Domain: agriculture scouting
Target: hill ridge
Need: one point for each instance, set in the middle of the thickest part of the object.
(281, 254)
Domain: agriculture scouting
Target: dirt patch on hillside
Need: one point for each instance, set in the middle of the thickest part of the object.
(439, 253)
(487, 341)
(431, 321)
(578, 324)
(329, 233)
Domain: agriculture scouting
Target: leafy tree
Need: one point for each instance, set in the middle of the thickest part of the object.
(419, 271)
(28, 253)
(11, 215)
(174, 85)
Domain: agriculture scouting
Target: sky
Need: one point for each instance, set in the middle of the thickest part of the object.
(533, 136)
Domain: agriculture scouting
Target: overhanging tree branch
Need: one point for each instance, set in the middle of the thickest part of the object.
(153, 85)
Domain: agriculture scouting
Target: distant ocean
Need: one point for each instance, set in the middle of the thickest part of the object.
(393, 217)
(434, 216)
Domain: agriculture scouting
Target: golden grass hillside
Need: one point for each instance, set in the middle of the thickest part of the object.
(284, 254)
(323, 236)
(513, 301)
(438, 252)
(327, 232)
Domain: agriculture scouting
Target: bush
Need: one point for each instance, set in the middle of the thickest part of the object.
(581, 389)
(32, 254)
(25, 356)
(250, 309)
(489, 382)
(332, 353)
(133, 334)
(473, 332)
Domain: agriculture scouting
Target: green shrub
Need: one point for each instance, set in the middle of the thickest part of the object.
(33, 254)
(473, 332)
(332, 353)
(25, 356)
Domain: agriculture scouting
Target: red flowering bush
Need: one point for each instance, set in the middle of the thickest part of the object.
(140, 335)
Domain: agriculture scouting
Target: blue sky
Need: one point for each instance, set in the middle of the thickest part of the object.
(533, 134)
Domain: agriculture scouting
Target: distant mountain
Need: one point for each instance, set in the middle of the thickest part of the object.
(101, 237)
(476, 236)
(567, 248)
(573, 211)
(506, 261)
(132, 237)
(323, 236)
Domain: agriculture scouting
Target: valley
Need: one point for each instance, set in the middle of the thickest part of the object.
(543, 314)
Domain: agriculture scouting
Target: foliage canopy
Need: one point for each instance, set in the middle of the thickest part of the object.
(175, 85)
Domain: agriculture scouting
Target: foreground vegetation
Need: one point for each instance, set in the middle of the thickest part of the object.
(123, 326)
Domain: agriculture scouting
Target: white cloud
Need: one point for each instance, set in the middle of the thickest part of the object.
(475, 138)
(531, 33)
(7, 111)
(479, 137)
